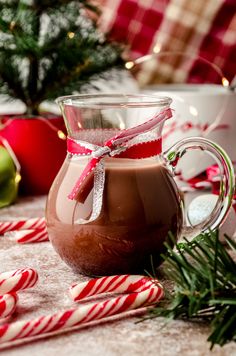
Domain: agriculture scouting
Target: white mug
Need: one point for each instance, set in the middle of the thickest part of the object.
(199, 110)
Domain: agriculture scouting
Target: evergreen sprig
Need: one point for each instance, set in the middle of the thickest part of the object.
(205, 285)
(50, 48)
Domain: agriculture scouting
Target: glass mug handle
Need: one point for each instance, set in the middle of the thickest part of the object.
(171, 158)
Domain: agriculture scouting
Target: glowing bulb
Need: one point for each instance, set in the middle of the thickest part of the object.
(12, 25)
(225, 82)
(121, 122)
(129, 65)
(17, 178)
(71, 35)
(193, 110)
(122, 126)
(61, 135)
(157, 48)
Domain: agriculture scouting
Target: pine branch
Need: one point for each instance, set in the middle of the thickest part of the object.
(46, 5)
(10, 4)
(10, 77)
(79, 74)
(205, 276)
(51, 47)
(34, 68)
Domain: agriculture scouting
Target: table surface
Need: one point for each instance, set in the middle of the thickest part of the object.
(117, 337)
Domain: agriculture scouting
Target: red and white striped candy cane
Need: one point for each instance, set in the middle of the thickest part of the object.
(151, 292)
(30, 235)
(116, 284)
(17, 280)
(24, 224)
(7, 304)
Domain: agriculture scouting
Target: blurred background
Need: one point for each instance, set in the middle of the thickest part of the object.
(203, 28)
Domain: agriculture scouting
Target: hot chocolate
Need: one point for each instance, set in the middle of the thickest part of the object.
(141, 204)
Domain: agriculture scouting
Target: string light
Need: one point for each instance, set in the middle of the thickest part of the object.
(6, 144)
(157, 52)
(157, 48)
(193, 110)
(129, 65)
(12, 25)
(71, 35)
(14, 158)
(17, 178)
(61, 135)
(225, 82)
(11, 153)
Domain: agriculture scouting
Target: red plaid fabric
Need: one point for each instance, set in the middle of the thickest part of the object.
(205, 28)
(133, 22)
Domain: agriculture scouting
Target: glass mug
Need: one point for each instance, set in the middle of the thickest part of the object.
(114, 200)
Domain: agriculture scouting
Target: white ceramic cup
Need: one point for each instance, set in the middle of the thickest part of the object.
(199, 110)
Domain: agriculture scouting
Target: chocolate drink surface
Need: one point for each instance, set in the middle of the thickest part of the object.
(141, 204)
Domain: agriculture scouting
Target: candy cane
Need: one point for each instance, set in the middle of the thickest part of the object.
(17, 280)
(150, 293)
(29, 236)
(116, 284)
(34, 223)
(8, 304)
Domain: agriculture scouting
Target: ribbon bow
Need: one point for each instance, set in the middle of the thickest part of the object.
(118, 146)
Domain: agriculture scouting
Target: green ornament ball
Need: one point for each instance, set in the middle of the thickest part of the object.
(8, 184)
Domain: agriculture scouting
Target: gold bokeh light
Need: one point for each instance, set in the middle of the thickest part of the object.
(17, 178)
(225, 82)
(71, 35)
(129, 65)
(61, 135)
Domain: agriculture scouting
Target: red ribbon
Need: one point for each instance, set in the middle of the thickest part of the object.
(117, 147)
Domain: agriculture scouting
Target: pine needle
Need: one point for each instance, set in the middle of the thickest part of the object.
(204, 274)
(50, 48)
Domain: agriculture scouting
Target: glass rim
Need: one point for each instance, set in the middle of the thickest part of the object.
(85, 100)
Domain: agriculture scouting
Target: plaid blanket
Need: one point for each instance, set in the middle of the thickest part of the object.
(196, 28)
